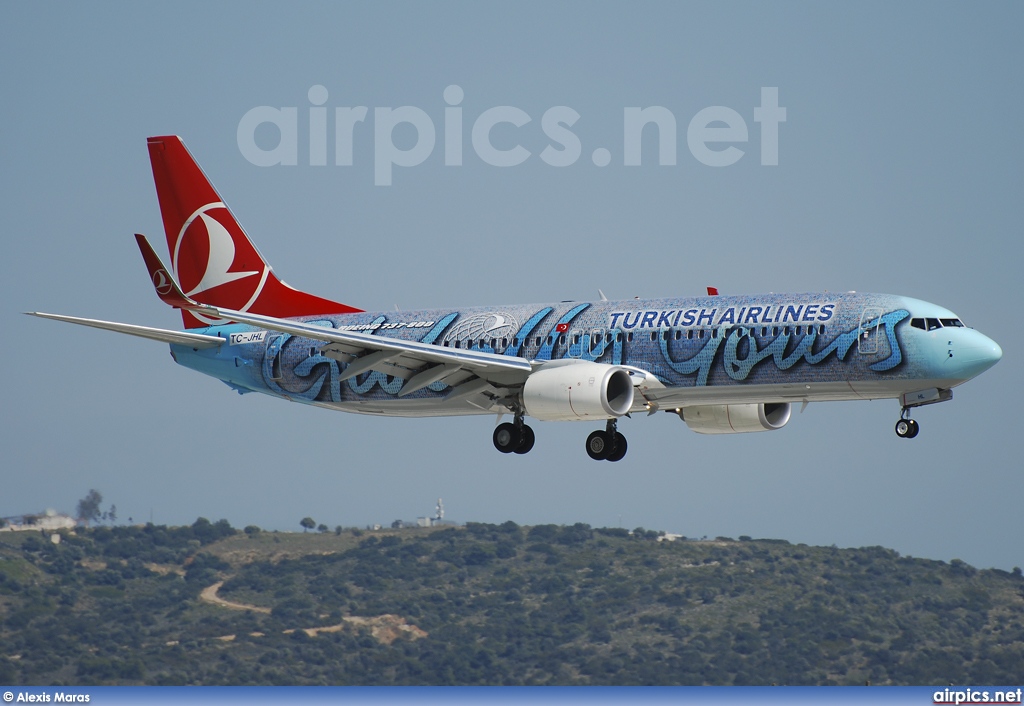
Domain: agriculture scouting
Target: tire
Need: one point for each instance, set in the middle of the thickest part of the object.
(506, 438)
(620, 448)
(904, 429)
(526, 443)
(598, 447)
(914, 428)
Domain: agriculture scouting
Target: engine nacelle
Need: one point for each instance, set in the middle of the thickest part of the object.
(736, 418)
(582, 390)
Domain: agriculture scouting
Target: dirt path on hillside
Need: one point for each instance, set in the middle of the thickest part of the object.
(385, 628)
(209, 595)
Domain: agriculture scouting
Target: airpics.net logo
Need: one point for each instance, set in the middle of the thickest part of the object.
(714, 136)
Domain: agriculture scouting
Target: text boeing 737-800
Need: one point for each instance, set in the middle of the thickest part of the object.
(724, 364)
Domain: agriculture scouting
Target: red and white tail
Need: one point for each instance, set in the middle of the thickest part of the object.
(213, 260)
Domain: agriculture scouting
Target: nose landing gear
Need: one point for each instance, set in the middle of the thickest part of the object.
(906, 428)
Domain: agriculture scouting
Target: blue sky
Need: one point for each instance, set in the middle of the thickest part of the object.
(900, 171)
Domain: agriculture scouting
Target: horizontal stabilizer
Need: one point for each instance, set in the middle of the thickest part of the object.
(194, 340)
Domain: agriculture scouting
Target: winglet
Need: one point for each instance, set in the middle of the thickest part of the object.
(166, 287)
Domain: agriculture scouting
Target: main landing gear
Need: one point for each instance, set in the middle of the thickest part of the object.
(906, 428)
(607, 445)
(514, 437)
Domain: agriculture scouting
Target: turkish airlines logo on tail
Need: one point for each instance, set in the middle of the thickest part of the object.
(162, 282)
(215, 263)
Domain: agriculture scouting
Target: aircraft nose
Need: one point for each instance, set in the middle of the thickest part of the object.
(977, 354)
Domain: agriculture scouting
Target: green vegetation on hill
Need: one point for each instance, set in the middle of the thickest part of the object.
(492, 604)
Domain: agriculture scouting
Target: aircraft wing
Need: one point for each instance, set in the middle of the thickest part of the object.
(193, 340)
(420, 364)
(467, 372)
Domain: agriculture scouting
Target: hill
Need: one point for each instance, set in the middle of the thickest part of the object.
(492, 604)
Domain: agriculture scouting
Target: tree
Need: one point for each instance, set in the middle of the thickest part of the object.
(307, 524)
(89, 506)
(112, 513)
(322, 528)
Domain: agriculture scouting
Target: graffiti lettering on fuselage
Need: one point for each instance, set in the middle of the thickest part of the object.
(315, 377)
(739, 361)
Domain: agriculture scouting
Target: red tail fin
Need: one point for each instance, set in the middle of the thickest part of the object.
(212, 258)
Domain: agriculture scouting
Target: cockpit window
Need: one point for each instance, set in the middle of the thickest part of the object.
(932, 324)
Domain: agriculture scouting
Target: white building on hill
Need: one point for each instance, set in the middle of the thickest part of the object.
(50, 520)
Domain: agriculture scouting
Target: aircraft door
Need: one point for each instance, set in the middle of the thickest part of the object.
(574, 343)
(867, 338)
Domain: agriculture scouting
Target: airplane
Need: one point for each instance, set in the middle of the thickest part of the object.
(724, 364)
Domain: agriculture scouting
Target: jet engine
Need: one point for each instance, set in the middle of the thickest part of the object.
(736, 418)
(578, 390)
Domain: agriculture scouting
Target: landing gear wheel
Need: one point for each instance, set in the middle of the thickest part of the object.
(620, 448)
(507, 438)
(598, 446)
(907, 428)
(527, 440)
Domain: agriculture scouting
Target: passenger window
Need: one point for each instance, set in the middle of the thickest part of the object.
(799, 330)
(700, 334)
(654, 335)
(775, 330)
(679, 334)
(821, 330)
(629, 337)
(689, 334)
